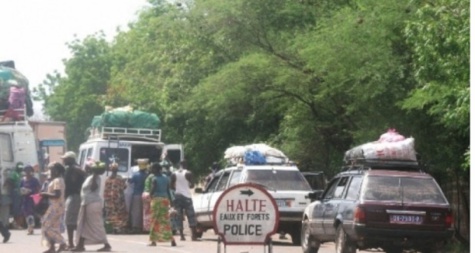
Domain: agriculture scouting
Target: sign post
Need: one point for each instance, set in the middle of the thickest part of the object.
(245, 214)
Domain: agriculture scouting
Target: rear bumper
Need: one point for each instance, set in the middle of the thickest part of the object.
(380, 236)
(290, 221)
(291, 216)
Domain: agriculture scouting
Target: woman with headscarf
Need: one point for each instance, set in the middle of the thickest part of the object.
(90, 227)
(114, 200)
(29, 185)
(51, 227)
(160, 228)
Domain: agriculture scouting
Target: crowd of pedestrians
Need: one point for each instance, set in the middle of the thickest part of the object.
(74, 203)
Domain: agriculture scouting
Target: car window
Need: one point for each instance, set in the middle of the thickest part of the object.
(354, 187)
(407, 189)
(282, 180)
(223, 181)
(328, 194)
(340, 187)
(424, 190)
(235, 176)
(213, 183)
(117, 155)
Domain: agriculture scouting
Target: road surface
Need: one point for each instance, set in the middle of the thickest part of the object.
(20, 242)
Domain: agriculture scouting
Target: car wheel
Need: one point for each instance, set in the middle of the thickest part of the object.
(296, 236)
(342, 242)
(309, 244)
(199, 231)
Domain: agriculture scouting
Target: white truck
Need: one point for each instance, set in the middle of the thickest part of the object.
(18, 142)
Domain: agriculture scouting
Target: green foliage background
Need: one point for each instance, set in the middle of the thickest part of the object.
(310, 77)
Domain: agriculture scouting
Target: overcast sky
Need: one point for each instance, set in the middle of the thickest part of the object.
(33, 33)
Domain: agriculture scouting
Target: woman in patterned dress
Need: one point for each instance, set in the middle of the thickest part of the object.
(51, 221)
(114, 200)
(160, 228)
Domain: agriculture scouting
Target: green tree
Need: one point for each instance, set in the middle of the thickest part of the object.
(77, 96)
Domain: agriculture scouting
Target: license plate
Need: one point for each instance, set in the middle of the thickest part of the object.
(281, 203)
(405, 219)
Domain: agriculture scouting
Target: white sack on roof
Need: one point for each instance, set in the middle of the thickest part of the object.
(398, 150)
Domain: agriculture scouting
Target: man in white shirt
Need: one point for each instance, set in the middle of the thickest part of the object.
(181, 183)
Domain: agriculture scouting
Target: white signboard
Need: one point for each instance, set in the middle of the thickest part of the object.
(245, 214)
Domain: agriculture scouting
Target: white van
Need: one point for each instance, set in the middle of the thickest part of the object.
(124, 146)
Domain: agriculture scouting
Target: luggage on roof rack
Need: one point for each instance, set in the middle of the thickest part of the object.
(255, 154)
(396, 151)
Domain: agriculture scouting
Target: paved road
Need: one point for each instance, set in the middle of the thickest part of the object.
(22, 243)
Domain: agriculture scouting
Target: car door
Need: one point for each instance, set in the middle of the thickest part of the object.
(331, 206)
(319, 210)
(220, 187)
(201, 200)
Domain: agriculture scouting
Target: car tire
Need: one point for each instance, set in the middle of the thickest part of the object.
(296, 236)
(342, 242)
(199, 231)
(309, 243)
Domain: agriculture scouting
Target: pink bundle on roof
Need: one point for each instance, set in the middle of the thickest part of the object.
(391, 136)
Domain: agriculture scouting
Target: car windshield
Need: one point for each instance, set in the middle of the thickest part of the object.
(405, 189)
(281, 180)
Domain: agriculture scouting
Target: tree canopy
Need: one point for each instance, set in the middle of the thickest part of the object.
(311, 77)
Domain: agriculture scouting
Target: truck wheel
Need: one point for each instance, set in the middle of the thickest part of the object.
(309, 243)
(296, 237)
(342, 242)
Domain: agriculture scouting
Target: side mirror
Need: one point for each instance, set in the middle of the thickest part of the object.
(198, 190)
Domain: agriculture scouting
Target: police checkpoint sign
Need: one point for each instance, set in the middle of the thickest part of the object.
(245, 214)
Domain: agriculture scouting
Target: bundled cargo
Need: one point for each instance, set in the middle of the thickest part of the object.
(390, 146)
(255, 154)
(14, 92)
(126, 117)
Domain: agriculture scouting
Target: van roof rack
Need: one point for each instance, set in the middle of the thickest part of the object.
(126, 133)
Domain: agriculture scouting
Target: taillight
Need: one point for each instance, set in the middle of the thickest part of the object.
(449, 220)
(359, 216)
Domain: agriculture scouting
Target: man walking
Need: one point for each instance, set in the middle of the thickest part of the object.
(181, 183)
(136, 206)
(73, 178)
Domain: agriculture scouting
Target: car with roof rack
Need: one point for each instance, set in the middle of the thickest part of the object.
(281, 178)
(378, 203)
